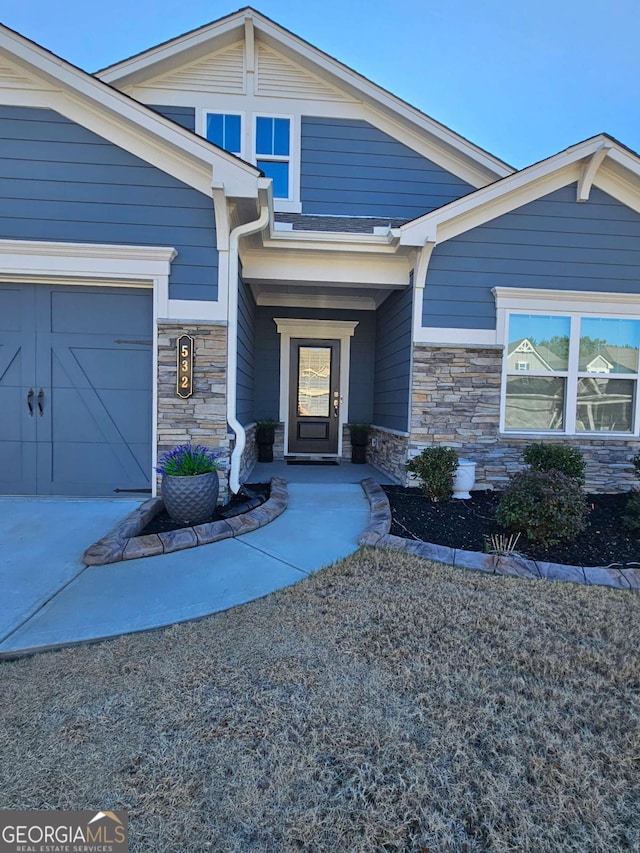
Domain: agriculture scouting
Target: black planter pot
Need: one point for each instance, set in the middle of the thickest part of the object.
(265, 437)
(359, 439)
(265, 452)
(358, 453)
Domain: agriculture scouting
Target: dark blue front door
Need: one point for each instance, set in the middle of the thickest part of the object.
(75, 389)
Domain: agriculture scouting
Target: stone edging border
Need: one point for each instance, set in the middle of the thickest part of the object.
(123, 543)
(377, 535)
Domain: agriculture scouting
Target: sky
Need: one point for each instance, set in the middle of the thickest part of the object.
(521, 78)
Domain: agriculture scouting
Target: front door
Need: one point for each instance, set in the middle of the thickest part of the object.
(314, 404)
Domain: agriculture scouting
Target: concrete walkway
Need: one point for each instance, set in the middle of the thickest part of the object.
(48, 598)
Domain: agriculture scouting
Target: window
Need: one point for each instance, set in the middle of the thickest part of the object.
(224, 130)
(582, 373)
(273, 151)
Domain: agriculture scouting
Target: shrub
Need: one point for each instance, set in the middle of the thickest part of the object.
(545, 505)
(635, 461)
(188, 460)
(556, 457)
(631, 518)
(436, 467)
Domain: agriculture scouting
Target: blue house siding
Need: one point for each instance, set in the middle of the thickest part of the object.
(267, 359)
(350, 168)
(184, 116)
(553, 243)
(245, 380)
(61, 182)
(392, 376)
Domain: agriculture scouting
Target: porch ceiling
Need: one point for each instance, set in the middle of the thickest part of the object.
(321, 294)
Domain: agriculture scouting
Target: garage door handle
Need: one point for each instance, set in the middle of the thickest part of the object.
(40, 399)
(29, 403)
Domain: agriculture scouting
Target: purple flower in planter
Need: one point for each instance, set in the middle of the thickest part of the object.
(188, 460)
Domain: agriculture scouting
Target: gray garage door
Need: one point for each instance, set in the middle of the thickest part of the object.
(75, 389)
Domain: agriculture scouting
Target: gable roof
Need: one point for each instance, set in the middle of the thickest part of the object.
(474, 164)
(115, 116)
(599, 161)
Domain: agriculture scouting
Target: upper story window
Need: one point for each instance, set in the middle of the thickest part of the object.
(273, 152)
(271, 142)
(225, 130)
(582, 375)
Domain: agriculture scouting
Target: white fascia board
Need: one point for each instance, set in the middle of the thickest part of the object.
(337, 241)
(285, 266)
(620, 183)
(118, 117)
(509, 193)
(563, 301)
(188, 46)
(455, 337)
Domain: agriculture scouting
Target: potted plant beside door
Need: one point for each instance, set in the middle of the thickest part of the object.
(359, 441)
(265, 436)
(190, 483)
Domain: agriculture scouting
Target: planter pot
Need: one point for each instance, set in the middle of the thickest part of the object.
(265, 453)
(191, 500)
(265, 435)
(359, 439)
(464, 479)
(358, 454)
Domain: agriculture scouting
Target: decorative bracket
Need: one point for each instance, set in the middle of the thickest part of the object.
(590, 170)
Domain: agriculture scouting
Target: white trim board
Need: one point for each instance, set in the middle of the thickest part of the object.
(341, 331)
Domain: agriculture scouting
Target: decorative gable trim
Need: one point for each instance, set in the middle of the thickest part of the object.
(446, 148)
(222, 72)
(279, 77)
(618, 175)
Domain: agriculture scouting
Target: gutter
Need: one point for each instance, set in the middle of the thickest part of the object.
(232, 341)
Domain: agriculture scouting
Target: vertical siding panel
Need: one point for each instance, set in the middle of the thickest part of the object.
(245, 380)
(392, 377)
(61, 182)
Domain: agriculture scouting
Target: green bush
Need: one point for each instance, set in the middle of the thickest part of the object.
(544, 505)
(556, 457)
(436, 467)
(635, 461)
(631, 518)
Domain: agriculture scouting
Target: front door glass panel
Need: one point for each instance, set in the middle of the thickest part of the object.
(314, 382)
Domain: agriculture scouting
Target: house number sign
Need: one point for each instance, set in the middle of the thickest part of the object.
(185, 366)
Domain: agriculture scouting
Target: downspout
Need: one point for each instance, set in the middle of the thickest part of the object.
(232, 341)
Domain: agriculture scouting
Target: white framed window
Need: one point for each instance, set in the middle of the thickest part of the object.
(224, 129)
(268, 140)
(583, 356)
(273, 145)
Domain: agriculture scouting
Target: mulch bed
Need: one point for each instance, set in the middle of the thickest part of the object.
(465, 524)
(243, 502)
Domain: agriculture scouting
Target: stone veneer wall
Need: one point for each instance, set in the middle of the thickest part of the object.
(249, 454)
(202, 418)
(390, 453)
(456, 401)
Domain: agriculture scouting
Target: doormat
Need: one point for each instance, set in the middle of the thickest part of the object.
(312, 462)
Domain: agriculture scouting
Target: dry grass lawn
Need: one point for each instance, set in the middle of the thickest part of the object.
(386, 704)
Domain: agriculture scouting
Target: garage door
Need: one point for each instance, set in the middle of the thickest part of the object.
(75, 389)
